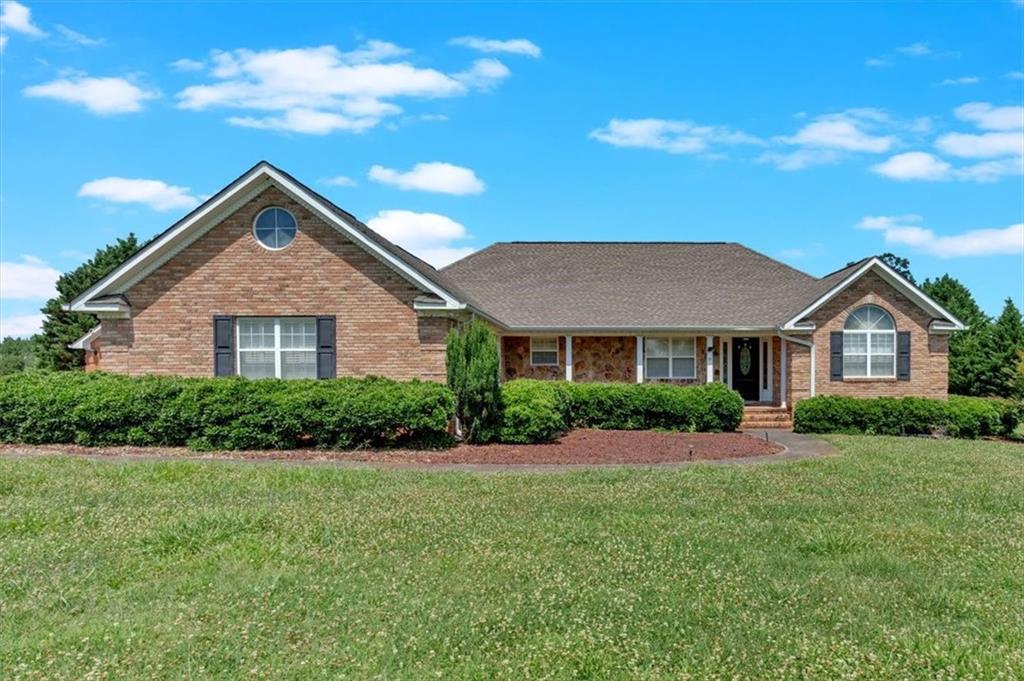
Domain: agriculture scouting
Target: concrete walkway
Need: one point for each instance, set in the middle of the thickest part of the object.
(797, 447)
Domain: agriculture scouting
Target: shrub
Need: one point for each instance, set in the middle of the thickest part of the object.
(534, 411)
(960, 416)
(473, 364)
(537, 411)
(222, 413)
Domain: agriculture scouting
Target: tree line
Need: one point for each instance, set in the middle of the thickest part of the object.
(985, 360)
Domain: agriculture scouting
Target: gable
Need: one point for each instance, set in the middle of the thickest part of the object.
(225, 203)
(874, 274)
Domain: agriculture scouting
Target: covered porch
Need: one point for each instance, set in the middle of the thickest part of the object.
(758, 365)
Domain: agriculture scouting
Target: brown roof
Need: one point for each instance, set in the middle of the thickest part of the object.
(632, 285)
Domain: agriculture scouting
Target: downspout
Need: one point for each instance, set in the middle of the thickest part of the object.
(806, 344)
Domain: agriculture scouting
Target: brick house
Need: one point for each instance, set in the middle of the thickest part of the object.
(268, 278)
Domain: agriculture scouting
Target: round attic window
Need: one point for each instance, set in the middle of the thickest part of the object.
(274, 228)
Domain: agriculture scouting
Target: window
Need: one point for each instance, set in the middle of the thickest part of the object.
(283, 347)
(869, 344)
(544, 351)
(274, 228)
(670, 358)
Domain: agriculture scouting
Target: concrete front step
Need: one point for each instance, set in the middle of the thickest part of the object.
(774, 425)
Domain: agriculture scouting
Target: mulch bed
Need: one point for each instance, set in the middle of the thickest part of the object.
(576, 447)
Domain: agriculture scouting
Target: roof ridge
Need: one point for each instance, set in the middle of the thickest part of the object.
(846, 267)
(469, 256)
(598, 243)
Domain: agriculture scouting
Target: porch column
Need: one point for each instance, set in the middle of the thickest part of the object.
(639, 359)
(568, 358)
(711, 358)
(784, 382)
(501, 359)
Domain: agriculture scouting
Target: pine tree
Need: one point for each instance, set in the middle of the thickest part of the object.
(968, 363)
(61, 327)
(1005, 344)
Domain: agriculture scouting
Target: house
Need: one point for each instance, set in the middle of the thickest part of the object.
(269, 279)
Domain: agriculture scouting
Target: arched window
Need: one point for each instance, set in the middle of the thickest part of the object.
(869, 343)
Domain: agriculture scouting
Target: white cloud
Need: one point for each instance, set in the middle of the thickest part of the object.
(988, 117)
(876, 62)
(963, 80)
(800, 159)
(156, 194)
(483, 74)
(850, 130)
(428, 235)
(21, 325)
(3, 42)
(443, 178)
(514, 46)
(905, 230)
(914, 165)
(915, 50)
(991, 171)
(1014, 75)
(339, 181)
(30, 279)
(307, 121)
(186, 64)
(18, 18)
(986, 145)
(318, 90)
(78, 38)
(673, 136)
(99, 95)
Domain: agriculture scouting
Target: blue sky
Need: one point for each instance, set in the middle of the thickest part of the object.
(817, 134)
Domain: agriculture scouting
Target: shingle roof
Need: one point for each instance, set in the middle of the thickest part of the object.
(632, 285)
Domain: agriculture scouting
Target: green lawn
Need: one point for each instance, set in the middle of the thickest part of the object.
(899, 558)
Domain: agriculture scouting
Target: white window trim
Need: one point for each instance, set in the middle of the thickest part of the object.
(256, 219)
(558, 355)
(671, 356)
(868, 354)
(277, 350)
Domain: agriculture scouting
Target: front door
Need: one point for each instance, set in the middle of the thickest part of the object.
(746, 368)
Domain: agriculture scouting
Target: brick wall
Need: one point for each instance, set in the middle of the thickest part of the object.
(226, 271)
(929, 353)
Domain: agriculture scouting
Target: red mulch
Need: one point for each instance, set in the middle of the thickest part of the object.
(576, 447)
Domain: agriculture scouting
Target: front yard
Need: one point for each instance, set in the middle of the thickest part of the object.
(898, 558)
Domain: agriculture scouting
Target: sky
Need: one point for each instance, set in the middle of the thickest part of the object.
(817, 134)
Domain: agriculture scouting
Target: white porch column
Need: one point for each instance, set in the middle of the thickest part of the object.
(784, 382)
(711, 358)
(568, 358)
(639, 359)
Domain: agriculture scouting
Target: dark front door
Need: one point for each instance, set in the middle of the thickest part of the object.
(746, 367)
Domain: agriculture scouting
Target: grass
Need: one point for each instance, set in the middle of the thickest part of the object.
(900, 558)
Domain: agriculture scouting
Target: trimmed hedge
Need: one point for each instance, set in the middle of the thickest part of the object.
(960, 416)
(222, 413)
(538, 411)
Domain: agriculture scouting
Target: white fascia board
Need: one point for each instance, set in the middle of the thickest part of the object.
(890, 275)
(168, 245)
(83, 342)
(636, 330)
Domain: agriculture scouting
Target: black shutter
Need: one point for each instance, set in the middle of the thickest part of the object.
(325, 342)
(903, 355)
(836, 355)
(223, 346)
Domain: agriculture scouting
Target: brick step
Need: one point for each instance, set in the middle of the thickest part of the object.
(764, 409)
(766, 414)
(769, 425)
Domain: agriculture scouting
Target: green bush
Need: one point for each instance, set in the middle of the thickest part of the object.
(222, 413)
(537, 411)
(967, 417)
(534, 411)
(473, 364)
